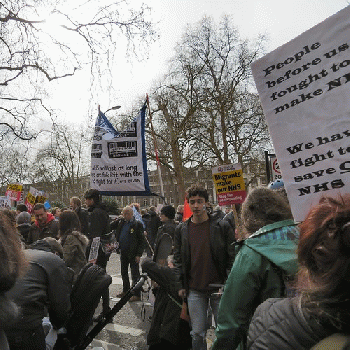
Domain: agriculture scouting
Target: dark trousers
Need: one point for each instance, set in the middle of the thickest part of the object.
(125, 261)
(31, 339)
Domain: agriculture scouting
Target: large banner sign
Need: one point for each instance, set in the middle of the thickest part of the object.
(304, 89)
(14, 191)
(229, 184)
(118, 159)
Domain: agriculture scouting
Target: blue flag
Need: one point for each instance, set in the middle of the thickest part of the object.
(118, 158)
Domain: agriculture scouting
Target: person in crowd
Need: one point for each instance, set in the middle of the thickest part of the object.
(129, 234)
(11, 214)
(12, 265)
(167, 215)
(75, 204)
(46, 286)
(45, 224)
(218, 213)
(73, 242)
(179, 213)
(202, 258)
(98, 226)
(268, 254)
(56, 212)
(24, 223)
(322, 305)
(136, 206)
(152, 224)
(168, 330)
(98, 222)
(20, 208)
(231, 219)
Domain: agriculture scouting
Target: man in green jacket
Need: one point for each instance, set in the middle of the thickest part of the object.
(264, 261)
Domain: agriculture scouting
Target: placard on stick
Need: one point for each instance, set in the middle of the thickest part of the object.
(304, 87)
(229, 184)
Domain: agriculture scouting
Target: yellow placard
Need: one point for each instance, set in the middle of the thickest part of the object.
(229, 181)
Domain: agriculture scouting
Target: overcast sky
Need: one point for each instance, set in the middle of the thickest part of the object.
(281, 21)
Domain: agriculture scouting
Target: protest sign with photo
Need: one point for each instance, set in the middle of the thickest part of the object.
(229, 184)
(14, 191)
(304, 90)
(118, 158)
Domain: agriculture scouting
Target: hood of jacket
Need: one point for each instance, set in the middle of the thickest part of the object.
(50, 218)
(82, 238)
(278, 243)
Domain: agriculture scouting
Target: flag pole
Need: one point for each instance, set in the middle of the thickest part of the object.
(155, 149)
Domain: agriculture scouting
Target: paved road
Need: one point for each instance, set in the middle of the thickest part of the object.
(131, 324)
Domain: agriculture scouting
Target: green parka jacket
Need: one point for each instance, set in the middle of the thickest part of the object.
(253, 279)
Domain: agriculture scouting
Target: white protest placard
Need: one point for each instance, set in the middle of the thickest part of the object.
(304, 87)
(118, 159)
(95, 245)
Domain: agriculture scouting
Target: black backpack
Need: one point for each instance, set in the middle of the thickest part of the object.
(91, 282)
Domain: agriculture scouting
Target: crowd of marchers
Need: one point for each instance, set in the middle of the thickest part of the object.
(260, 279)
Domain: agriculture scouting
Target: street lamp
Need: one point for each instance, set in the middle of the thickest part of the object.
(112, 109)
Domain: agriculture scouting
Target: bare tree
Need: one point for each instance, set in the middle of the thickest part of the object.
(35, 53)
(63, 160)
(206, 107)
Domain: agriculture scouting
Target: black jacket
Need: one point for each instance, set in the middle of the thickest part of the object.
(152, 224)
(281, 324)
(166, 323)
(84, 219)
(136, 237)
(221, 237)
(46, 285)
(98, 221)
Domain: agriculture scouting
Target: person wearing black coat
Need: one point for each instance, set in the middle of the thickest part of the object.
(98, 226)
(167, 215)
(46, 286)
(82, 213)
(168, 330)
(152, 223)
(129, 235)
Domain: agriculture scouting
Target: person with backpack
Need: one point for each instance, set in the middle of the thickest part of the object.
(265, 260)
(318, 317)
(167, 215)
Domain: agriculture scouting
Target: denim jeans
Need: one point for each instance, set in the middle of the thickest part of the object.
(198, 303)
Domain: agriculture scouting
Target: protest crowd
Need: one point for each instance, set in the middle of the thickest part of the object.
(267, 268)
(264, 281)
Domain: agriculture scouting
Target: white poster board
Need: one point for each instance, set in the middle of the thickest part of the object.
(118, 159)
(304, 87)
